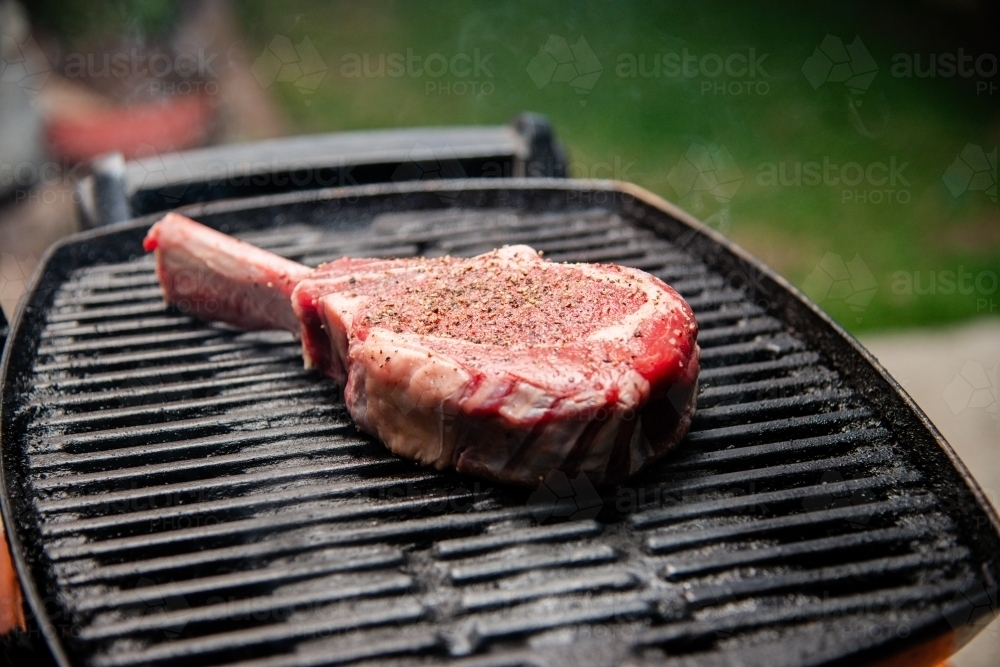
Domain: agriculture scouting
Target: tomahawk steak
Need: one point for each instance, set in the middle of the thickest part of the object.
(505, 365)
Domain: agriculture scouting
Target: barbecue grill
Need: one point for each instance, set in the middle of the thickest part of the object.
(179, 492)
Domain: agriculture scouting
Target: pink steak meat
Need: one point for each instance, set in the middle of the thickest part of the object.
(504, 365)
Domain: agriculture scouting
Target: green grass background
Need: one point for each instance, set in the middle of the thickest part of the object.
(646, 125)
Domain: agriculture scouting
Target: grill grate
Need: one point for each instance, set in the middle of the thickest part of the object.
(200, 499)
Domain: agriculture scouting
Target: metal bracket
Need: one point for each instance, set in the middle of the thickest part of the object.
(117, 190)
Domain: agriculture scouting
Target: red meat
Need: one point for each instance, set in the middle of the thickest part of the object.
(504, 365)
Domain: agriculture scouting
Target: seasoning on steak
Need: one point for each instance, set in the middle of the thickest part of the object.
(504, 365)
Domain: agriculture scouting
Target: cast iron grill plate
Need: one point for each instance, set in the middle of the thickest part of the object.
(187, 494)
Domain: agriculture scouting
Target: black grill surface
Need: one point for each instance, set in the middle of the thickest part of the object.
(183, 493)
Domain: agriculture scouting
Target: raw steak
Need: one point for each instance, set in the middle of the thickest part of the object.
(504, 365)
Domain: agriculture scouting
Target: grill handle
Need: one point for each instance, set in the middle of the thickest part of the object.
(117, 190)
(103, 194)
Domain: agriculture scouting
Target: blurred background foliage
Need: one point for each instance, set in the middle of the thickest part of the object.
(639, 128)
